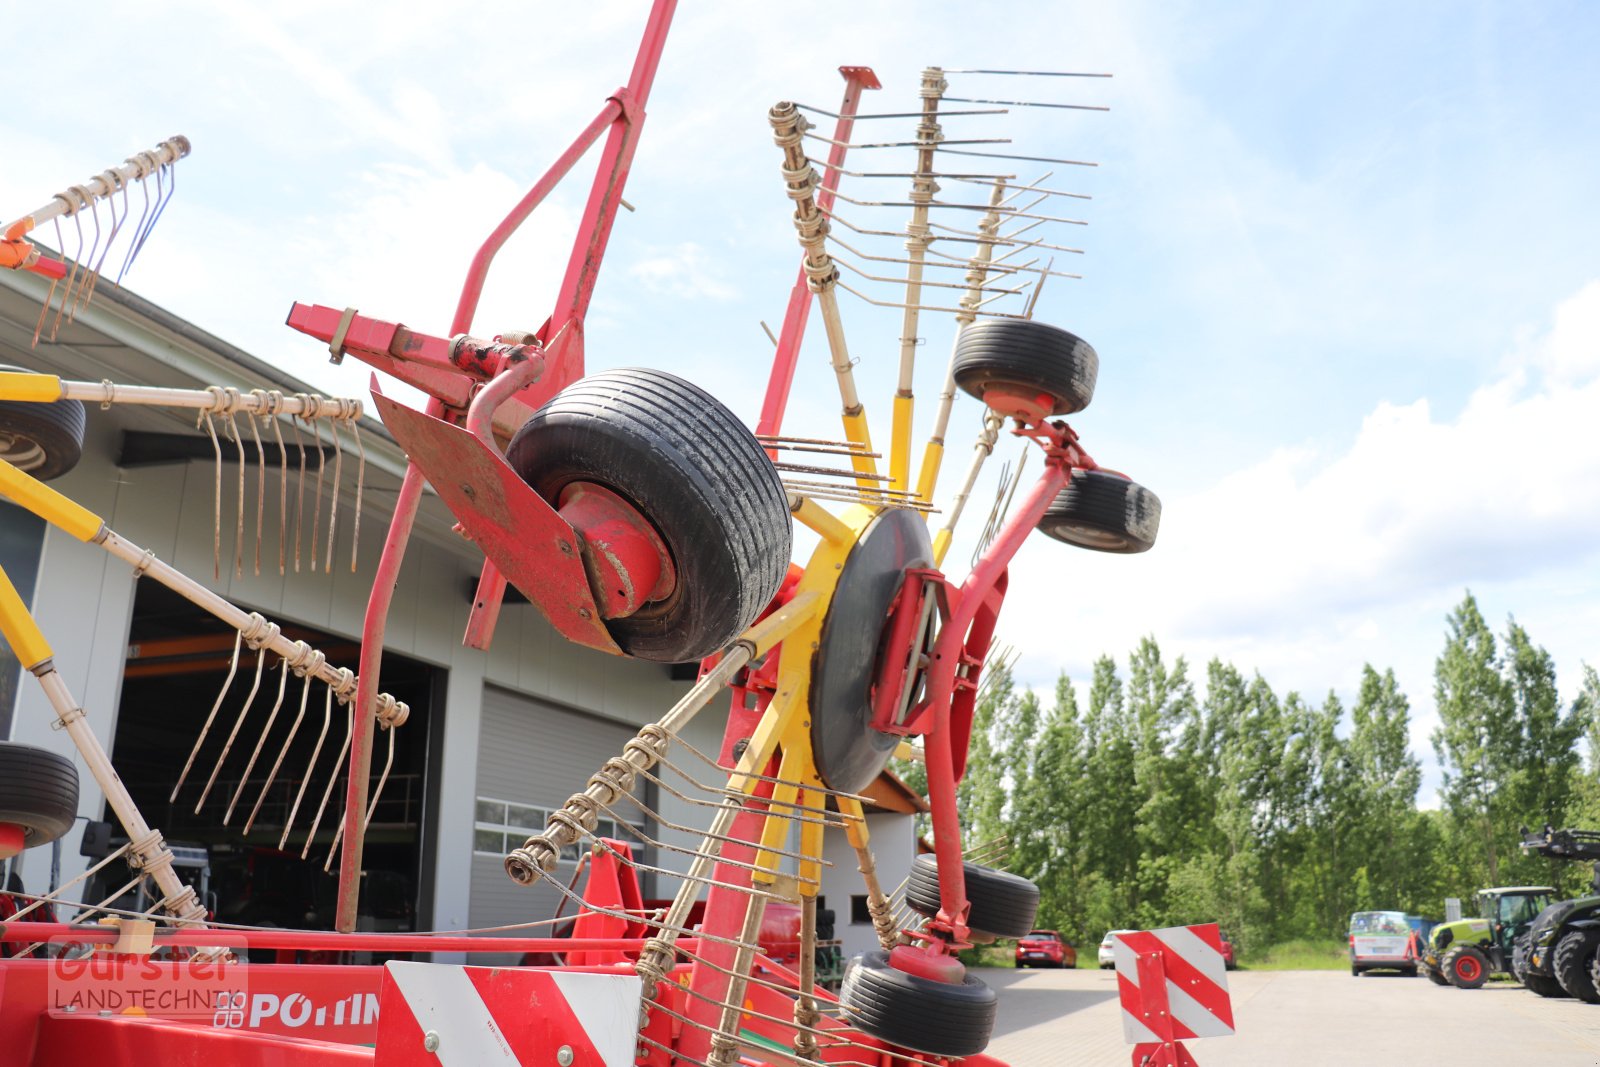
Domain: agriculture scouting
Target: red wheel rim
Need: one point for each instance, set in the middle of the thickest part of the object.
(1467, 968)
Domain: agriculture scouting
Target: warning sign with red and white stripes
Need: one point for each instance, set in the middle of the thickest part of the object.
(438, 1015)
(1174, 984)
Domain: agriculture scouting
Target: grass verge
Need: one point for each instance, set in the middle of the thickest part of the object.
(1300, 956)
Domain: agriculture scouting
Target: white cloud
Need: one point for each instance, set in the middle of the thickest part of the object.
(1304, 563)
(684, 271)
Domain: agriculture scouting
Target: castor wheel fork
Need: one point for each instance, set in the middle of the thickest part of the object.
(947, 658)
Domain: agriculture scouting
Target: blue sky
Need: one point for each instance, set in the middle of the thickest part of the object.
(1339, 264)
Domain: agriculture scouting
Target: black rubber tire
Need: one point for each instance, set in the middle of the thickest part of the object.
(38, 792)
(1434, 976)
(1449, 965)
(697, 473)
(1103, 512)
(1033, 355)
(1545, 986)
(44, 439)
(1570, 964)
(936, 1018)
(1001, 904)
(1521, 949)
(1355, 972)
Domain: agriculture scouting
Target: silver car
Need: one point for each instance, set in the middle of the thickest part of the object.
(1107, 959)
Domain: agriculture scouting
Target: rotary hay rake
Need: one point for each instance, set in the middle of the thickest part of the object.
(643, 518)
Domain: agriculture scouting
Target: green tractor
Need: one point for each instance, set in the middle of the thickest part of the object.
(1465, 952)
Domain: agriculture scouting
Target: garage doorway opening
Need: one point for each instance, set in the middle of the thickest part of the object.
(177, 662)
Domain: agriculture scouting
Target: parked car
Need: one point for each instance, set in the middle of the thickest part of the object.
(1227, 952)
(1107, 960)
(1382, 940)
(1045, 948)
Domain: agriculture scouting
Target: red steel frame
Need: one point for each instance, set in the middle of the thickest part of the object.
(437, 367)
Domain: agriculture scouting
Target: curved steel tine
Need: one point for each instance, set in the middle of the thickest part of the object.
(361, 482)
(238, 642)
(72, 277)
(333, 780)
(216, 505)
(238, 530)
(316, 504)
(138, 229)
(311, 768)
(88, 264)
(272, 717)
(383, 779)
(113, 181)
(227, 746)
(283, 488)
(372, 805)
(261, 484)
(299, 492)
(294, 728)
(166, 185)
(333, 501)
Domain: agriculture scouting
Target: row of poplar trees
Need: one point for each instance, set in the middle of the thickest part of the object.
(1157, 801)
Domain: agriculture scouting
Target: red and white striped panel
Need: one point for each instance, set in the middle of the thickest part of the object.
(1196, 987)
(505, 1017)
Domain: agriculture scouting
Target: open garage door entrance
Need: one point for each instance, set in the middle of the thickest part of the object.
(178, 661)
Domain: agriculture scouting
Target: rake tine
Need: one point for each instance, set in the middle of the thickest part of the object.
(113, 182)
(88, 264)
(361, 482)
(261, 660)
(1025, 159)
(272, 717)
(299, 492)
(261, 485)
(44, 311)
(238, 532)
(316, 506)
(333, 780)
(294, 728)
(216, 506)
(311, 767)
(902, 114)
(333, 503)
(138, 228)
(283, 490)
(72, 277)
(1026, 73)
(233, 667)
(1027, 103)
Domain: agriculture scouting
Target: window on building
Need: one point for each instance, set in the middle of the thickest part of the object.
(859, 915)
(502, 825)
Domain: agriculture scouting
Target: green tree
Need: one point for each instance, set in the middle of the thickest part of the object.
(1387, 779)
(1477, 741)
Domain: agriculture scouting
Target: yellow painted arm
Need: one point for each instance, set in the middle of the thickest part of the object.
(822, 521)
(20, 385)
(928, 477)
(49, 505)
(22, 633)
(855, 431)
(900, 443)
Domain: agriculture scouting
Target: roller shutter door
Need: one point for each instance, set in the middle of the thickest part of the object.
(531, 757)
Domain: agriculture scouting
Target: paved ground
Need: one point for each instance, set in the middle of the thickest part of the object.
(1303, 1018)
